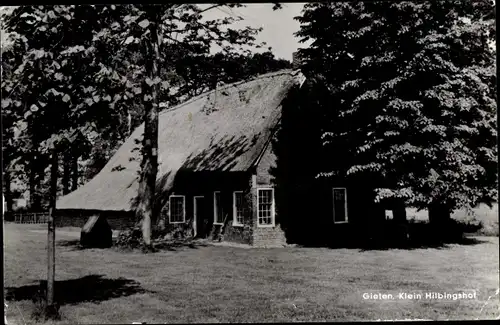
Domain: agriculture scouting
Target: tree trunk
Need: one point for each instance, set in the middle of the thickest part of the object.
(441, 227)
(51, 229)
(31, 182)
(399, 213)
(149, 166)
(34, 182)
(439, 214)
(42, 189)
(66, 171)
(7, 190)
(74, 171)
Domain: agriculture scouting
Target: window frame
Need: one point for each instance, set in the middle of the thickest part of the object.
(216, 208)
(235, 210)
(170, 208)
(345, 205)
(273, 212)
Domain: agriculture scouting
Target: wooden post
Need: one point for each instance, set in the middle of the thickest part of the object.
(51, 236)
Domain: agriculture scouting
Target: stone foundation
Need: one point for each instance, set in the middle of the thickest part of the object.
(269, 237)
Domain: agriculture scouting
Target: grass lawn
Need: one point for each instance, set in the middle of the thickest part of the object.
(230, 284)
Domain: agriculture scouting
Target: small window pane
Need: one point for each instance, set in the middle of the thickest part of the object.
(177, 209)
(218, 211)
(238, 207)
(265, 207)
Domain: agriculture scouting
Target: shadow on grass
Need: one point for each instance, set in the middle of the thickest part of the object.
(91, 288)
(389, 235)
(75, 245)
(380, 244)
(412, 245)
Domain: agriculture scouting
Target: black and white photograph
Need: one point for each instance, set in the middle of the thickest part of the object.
(260, 162)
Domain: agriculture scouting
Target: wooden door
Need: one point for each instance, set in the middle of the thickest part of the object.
(199, 217)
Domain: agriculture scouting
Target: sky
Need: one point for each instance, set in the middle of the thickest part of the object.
(278, 26)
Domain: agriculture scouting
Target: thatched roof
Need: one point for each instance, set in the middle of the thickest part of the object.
(221, 130)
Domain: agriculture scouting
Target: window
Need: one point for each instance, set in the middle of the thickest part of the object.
(339, 205)
(238, 208)
(265, 207)
(177, 207)
(218, 211)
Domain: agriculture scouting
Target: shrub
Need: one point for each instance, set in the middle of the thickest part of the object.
(130, 239)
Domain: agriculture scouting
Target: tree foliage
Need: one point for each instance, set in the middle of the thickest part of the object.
(81, 68)
(408, 96)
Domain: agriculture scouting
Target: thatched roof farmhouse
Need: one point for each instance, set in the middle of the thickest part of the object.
(209, 150)
(238, 163)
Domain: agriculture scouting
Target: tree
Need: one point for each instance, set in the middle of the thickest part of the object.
(174, 26)
(408, 97)
(85, 68)
(9, 118)
(40, 89)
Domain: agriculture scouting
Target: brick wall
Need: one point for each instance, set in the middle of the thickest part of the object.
(233, 233)
(244, 233)
(206, 187)
(269, 237)
(122, 222)
(70, 220)
(177, 230)
(267, 161)
(116, 220)
(266, 236)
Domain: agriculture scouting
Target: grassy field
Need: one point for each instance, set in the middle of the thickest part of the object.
(230, 284)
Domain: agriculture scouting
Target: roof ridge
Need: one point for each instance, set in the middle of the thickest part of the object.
(195, 145)
(224, 87)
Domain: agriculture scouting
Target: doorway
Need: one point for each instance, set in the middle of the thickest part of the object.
(199, 217)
